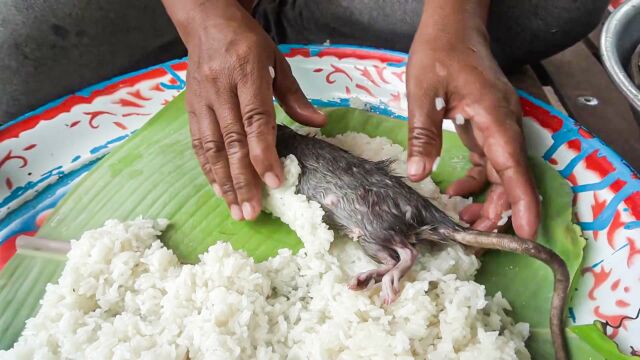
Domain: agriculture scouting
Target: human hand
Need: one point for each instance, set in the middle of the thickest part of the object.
(458, 67)
(234, 71)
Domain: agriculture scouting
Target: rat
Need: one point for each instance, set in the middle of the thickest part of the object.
(367, 202)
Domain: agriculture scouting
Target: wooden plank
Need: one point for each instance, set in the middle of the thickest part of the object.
(592, 41)
(594, 37)
(525, 79)
(575, 74)
(554, 100)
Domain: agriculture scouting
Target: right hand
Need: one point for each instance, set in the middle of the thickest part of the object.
(458, 66)
(229, 99)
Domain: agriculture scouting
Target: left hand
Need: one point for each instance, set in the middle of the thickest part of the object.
(459, 68)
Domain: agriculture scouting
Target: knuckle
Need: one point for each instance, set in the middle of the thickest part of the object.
(208, 170)
(242, 184)
(255, 119)
(259, 158)
(228, 190)
(208, 173)
(242, 61)
(246, 48)
(191, 112)
(211, 71)
(235, 142)
(196, 144)
(421, 135)
(213, 146)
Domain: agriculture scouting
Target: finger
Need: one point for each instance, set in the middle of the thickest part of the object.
(476, 178)
(258, 117)
(506, 153)
(245, 179)
(473, 182)
(465, 132)
(198, 149)
(493, 208)
(484, 224)
(426, 110)
(216, 155)
(291, 97)
(471, 213)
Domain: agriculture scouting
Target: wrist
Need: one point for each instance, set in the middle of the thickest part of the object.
(450, 23)
(191, 16)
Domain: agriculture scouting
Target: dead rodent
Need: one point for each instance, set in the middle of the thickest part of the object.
(365, 200)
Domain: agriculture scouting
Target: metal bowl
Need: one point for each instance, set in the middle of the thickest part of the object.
(620, 39)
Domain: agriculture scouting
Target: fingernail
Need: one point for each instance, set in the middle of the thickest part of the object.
(272, 180)
(217, 190)
(247, 210)
(236, 213)
(415, 167)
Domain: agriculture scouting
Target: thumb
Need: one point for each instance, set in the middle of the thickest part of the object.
(426, 110)
(291, 97)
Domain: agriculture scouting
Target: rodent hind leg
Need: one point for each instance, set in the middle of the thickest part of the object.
(381, 254)
(362, 280)
(391, 280)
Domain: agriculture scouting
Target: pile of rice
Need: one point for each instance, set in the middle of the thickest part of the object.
(124, 295)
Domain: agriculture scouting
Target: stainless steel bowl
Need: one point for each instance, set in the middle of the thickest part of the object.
(620, 38)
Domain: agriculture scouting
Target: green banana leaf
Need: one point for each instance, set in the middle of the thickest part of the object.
(594, 335)
(155, 174)
(22, 285)
(500, 270)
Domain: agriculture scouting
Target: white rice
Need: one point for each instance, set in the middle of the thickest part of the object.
(504, 217)
(123, 295)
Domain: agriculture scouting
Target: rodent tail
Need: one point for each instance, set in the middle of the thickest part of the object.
(519, 245)
(431, 233)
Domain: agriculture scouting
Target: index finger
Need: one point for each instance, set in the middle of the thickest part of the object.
(255, 95)
(426, 109)
(505, 150)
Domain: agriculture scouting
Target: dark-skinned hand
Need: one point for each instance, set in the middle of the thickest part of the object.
(235, 69)
(232, 121)
(450, 58)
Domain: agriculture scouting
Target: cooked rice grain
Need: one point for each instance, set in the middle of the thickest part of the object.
(123, 295)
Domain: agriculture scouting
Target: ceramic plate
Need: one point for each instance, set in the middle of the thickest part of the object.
(43, 153)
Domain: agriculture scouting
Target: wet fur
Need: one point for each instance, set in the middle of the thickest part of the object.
(368, 196)
(366, 201)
